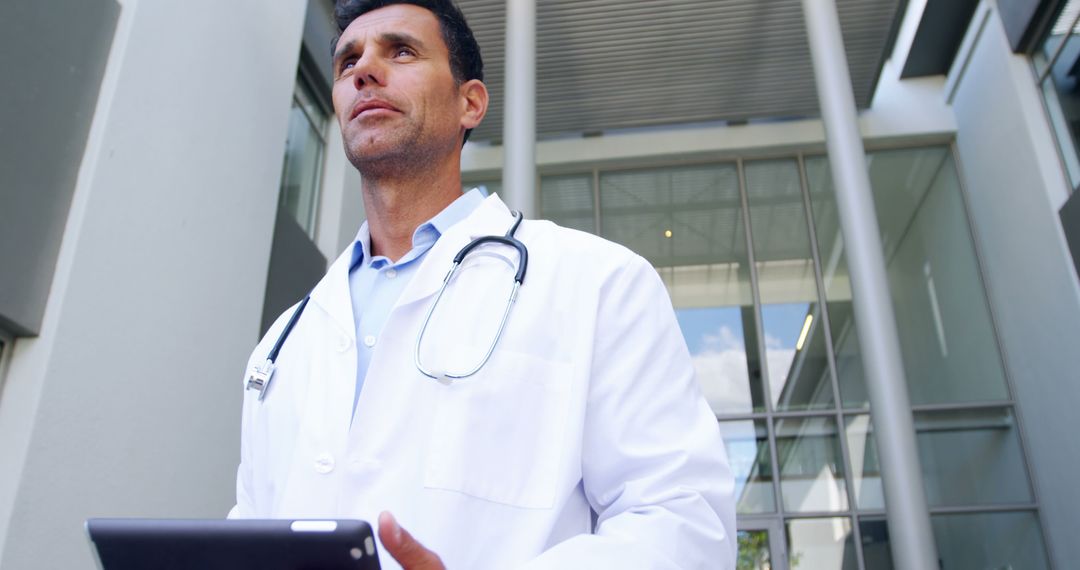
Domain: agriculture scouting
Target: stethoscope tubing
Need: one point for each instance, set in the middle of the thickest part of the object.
(519, 279)
(260, 377)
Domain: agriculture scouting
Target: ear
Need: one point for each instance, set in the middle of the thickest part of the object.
(474, 103)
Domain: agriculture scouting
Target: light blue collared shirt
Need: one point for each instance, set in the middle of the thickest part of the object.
(375, 283)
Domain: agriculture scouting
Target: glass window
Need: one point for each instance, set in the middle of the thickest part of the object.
(946, 335)
(674, 216)
(753, 550)
(747, 445)
(875, 544)
(811, 469)
(795, 353)
(715, 312)
(1057, 63)
(821, 544)
(568, 201)
(972, 457)
(303, 157)
(968, 541)
(837, 283)
(968, 458)
(688, 222)
(865, 467)
(990, 540)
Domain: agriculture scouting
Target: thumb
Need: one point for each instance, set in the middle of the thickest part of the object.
(404, 548)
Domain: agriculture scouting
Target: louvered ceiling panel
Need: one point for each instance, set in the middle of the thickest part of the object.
(604, 65)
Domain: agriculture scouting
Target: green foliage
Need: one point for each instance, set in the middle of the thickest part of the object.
(753, 551)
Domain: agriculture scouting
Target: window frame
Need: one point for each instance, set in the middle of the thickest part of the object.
(307, 87)
(1042, 67)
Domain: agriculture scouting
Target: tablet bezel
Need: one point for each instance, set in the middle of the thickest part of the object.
(264, 544)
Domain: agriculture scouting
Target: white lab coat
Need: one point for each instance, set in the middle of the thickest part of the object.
(587, 405)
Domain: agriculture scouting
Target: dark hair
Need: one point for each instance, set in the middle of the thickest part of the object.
(465, 61)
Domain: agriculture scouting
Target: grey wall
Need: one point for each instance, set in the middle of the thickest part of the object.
(128, 402)
(53, 55)
(1070, 222)
(295, 267)
(1024, 20)
(1014, 185)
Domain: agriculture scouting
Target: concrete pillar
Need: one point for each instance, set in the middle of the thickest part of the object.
(910, 533)
(519, 109)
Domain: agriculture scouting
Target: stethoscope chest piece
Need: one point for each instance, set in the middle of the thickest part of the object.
(260, 377)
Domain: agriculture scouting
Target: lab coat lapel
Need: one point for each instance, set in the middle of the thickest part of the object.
(491, 217)
(333, 296)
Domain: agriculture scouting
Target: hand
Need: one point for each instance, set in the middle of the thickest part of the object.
(404, 548)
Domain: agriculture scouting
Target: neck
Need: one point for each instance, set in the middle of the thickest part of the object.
(397, 203)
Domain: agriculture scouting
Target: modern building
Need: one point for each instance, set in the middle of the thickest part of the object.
(171, 177)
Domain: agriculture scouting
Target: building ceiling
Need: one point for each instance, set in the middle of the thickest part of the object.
(604, 65)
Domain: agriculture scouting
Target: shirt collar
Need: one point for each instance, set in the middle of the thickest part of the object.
(426, 233)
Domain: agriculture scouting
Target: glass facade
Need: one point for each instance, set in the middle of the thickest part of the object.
(569, 200)
(753, 257)
(747, 444)
(821, 543)
(943, 318)
(969, 457)
(963, 544)
(798, 371)
(688, 222)
(303, 156)
(754, 552)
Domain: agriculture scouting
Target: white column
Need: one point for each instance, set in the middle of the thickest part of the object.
(910, 533)
(519, 110)
(128, 402)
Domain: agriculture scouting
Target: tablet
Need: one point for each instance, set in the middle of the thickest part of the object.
(185, 544)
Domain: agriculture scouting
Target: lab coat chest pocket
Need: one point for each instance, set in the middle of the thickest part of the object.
(498, 435)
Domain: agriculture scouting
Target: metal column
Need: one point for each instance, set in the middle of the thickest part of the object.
(519, 111)
(910, 533)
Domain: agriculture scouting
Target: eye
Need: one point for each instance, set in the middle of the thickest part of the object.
(347, 65)
(404, 51)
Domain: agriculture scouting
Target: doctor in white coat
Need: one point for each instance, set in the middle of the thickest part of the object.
(583, 442)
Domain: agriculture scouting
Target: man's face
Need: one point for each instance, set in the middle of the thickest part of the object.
(394, 93)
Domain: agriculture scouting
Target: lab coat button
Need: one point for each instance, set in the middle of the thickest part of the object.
(391, 273)
(324, 463)
(369, 341)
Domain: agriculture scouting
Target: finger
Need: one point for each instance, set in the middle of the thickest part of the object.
(404, 548)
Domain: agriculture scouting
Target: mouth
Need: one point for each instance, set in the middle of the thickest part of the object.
(372, 106)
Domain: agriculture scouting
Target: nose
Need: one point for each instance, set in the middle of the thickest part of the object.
(369, 71)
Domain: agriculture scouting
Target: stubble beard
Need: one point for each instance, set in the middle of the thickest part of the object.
(399, 155)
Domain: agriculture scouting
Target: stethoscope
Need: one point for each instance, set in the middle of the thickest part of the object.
(260, 376)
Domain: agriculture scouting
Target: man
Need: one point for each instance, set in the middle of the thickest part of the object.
(582, 441)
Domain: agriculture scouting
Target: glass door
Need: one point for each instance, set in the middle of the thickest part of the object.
(761, 545)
